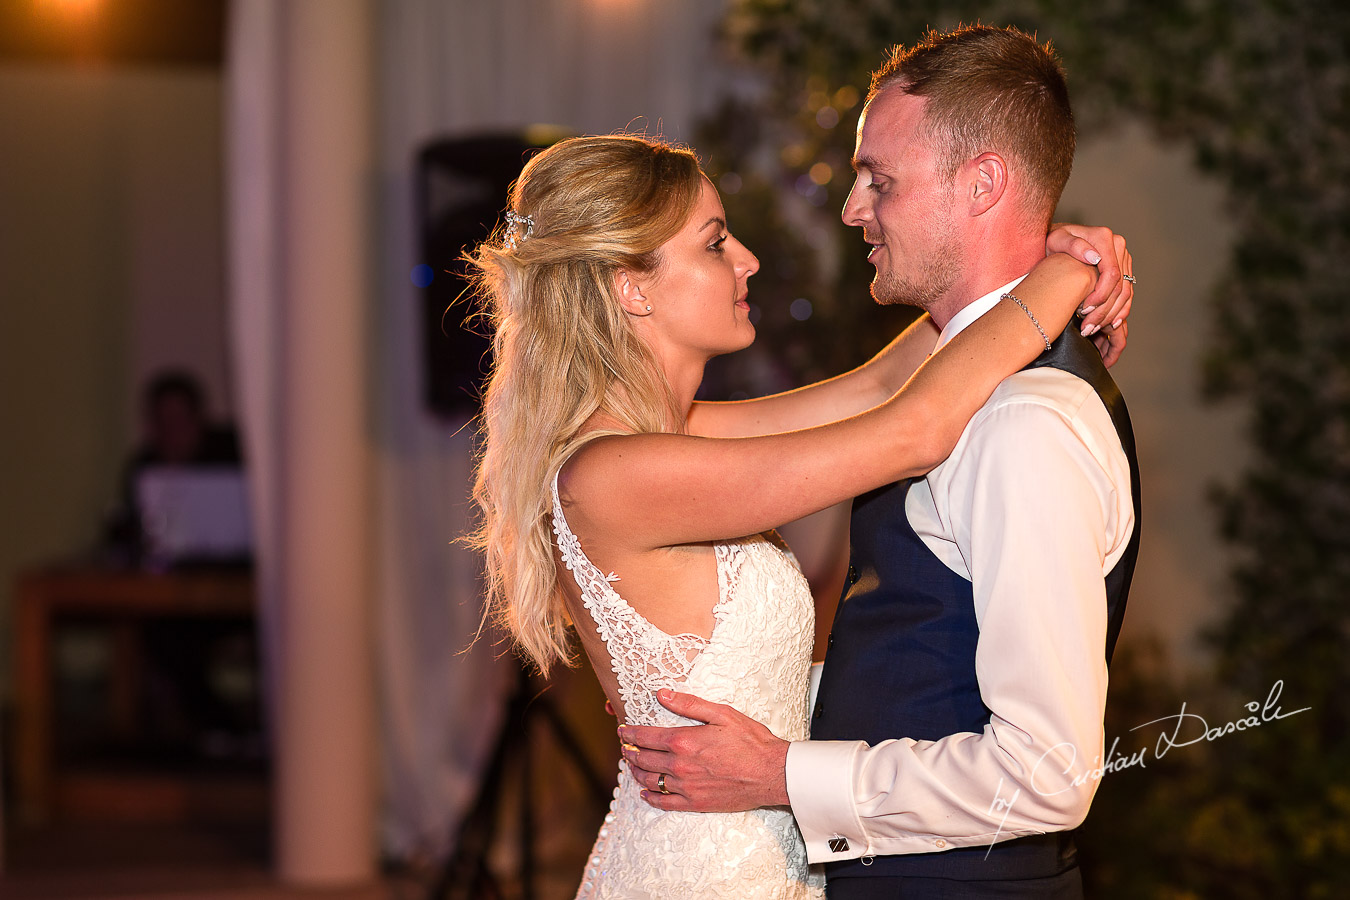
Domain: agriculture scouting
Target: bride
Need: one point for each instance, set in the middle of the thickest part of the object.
(612, 283)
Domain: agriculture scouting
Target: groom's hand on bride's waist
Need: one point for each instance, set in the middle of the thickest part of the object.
(731, 763)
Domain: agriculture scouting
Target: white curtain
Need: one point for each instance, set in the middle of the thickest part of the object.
(255, 279)
(299, 122)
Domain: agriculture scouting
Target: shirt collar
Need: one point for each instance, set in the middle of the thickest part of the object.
(972, 311)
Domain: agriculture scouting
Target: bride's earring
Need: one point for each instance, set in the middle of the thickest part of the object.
(649, 307)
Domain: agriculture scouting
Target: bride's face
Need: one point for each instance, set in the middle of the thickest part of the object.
(698, 297)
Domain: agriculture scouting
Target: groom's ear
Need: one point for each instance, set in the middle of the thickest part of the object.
(987, 179)
(630, 292)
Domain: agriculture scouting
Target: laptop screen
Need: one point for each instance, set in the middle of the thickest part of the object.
(194, 513)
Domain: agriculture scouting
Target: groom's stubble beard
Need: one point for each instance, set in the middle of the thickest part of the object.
(928, 277)
(922, 289)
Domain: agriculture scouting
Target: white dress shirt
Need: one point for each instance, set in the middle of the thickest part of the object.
(1033, 507)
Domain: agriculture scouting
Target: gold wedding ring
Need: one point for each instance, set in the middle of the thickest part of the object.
(661, 783)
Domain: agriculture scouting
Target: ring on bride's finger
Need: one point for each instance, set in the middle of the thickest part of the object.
(1129, 278)
(661, 784)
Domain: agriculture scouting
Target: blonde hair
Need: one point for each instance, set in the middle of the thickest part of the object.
(563, 349)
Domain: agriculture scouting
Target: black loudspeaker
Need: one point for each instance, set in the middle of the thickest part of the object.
(461, 191)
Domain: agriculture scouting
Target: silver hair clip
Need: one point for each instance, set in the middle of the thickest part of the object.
(513, 235)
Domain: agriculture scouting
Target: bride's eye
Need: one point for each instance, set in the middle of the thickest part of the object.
(716, 245)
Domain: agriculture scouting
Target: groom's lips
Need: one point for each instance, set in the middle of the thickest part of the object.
(875, 244)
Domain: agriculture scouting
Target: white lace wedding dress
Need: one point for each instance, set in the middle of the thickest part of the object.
(757, 660)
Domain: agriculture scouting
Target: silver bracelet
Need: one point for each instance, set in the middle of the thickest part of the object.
(1029, 316)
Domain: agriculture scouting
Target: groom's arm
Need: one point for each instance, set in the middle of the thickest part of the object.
(1040, 602)
(1039, 498)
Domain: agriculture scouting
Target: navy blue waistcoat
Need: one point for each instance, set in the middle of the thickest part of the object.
(901, 659)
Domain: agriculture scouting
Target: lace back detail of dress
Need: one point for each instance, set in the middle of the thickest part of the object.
(756, 659)
(644, 658)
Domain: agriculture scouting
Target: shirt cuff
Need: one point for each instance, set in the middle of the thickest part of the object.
(820, 789)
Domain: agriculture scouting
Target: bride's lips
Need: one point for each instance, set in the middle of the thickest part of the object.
(743, 302)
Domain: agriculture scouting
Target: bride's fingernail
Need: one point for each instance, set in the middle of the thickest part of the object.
(1116, 323)
(1094, 257)
(1087, 310)
(1089, 330)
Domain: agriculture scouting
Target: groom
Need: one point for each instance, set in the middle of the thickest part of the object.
(960, 712)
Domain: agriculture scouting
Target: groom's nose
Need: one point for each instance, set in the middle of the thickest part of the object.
(857, 211)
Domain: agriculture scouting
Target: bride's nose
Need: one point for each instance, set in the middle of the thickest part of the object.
(748, 264)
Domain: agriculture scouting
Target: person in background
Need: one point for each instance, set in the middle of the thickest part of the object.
(176, 431)
(188, 708)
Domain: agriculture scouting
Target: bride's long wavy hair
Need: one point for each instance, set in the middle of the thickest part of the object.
(563, 348)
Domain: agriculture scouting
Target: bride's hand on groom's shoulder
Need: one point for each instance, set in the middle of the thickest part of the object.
(730, 763)
(1108, 306)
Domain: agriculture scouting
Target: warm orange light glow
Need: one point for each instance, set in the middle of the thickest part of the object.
(71, 9)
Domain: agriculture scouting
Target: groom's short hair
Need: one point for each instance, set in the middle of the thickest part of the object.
(991, 89)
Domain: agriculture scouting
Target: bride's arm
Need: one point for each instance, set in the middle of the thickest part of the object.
(656, 490)
(815, 404)
(881, 376)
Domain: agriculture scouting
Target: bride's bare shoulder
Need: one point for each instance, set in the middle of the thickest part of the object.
(597, 463)
(600, 479)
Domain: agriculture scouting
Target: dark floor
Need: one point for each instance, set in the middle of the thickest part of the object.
(163, 862)
(222, 862)
(213, 863)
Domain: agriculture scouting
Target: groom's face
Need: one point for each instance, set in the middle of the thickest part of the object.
(903, 202)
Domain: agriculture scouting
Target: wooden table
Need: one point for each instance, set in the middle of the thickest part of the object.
(124, 600)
